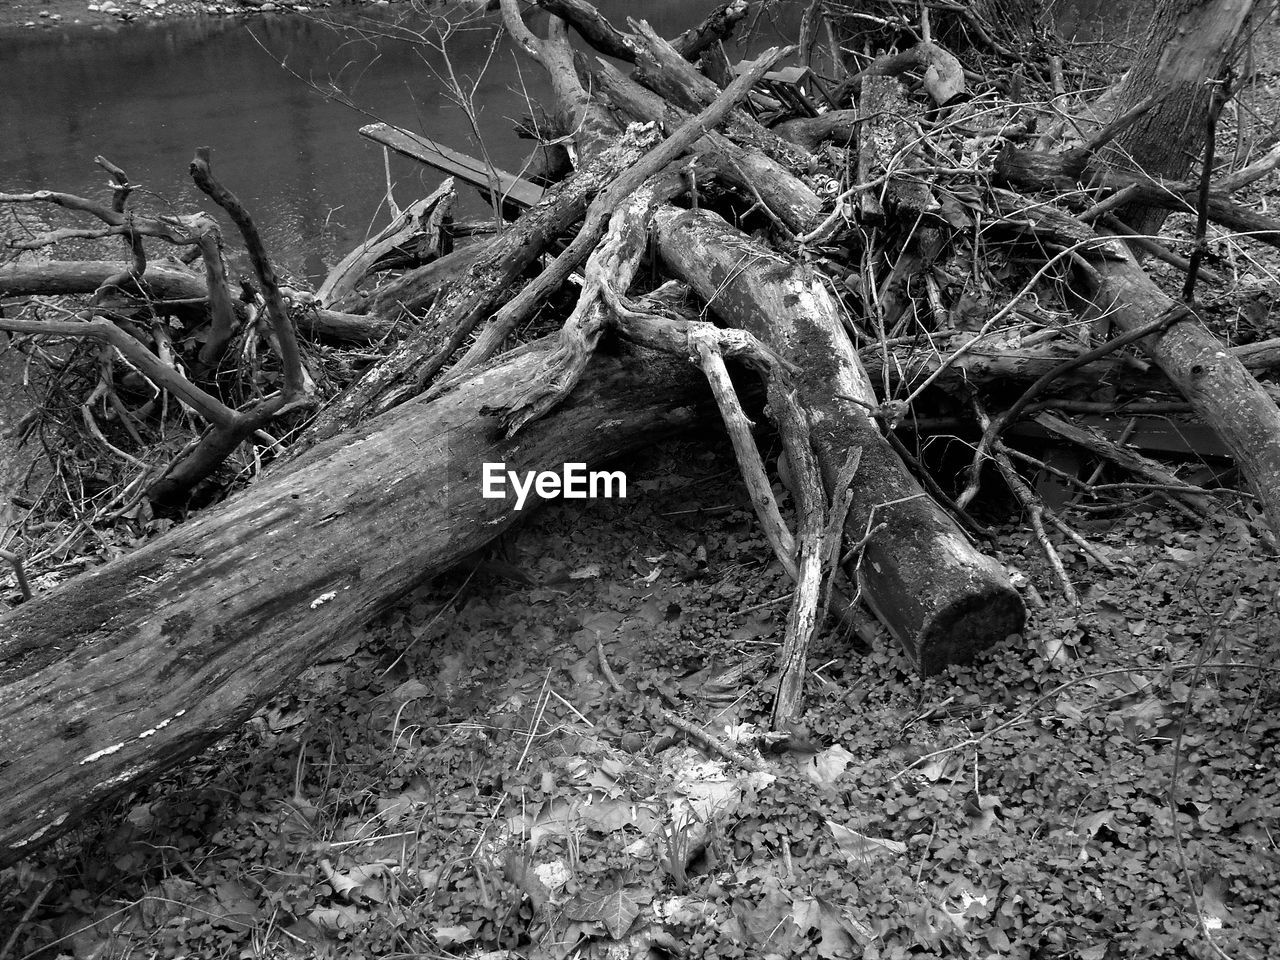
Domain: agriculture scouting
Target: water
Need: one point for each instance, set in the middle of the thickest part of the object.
(145, 96)
(1097, 21)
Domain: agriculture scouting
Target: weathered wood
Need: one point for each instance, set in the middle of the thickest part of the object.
(122, 673)
(943, 75)
(577, 112)
(940, 597)
(886, 144)
(594, 224)
(498, 185)
(1223, 393)
(783, 194)
(421, 218)
(838, 126)
(1189, 42)
(1135, 463)
(715, 26)
(417, 288)
(661, 68)
(593, 27)
(171, 281)
(601, 34)
(998, 361)
(166, 280)
(607, 275)
(489, 281)
(1064, 172)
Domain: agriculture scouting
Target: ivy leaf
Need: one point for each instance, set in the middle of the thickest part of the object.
(769, 923)
(454, 936)
(616, 909)
(336, 919)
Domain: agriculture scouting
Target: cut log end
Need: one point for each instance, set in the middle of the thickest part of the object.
(971, 623)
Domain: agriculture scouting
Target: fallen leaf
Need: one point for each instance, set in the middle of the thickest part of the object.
(826, 767)
(454, 936)
(861, 848)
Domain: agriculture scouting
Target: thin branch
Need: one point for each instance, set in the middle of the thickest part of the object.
(996, 426)
(290, 357)
(146, 362)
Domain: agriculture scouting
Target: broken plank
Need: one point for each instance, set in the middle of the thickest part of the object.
(507, 187)
(1166, 434)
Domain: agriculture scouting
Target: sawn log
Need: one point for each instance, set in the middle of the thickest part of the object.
(132, 667)
(941, 598)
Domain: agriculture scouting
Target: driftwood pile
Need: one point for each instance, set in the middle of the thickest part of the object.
(881, 254)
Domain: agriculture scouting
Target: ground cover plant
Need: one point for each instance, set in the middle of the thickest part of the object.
(473, 785)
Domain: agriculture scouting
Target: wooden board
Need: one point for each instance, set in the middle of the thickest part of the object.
(509, 187)
(1180, 434)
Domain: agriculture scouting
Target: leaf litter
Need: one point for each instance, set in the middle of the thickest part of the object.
(470, 784)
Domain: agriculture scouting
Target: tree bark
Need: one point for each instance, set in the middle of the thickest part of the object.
(129, 669)
(1223, 393)
(418, 223)
(167, 281)
(489, 281)
(783, 194)
(170, 281)
(1189, 42)
(942, 599)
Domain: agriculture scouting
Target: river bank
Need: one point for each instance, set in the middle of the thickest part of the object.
(23, 15)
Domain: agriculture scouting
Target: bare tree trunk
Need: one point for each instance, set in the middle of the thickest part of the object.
(1187, 48)
(129, 669)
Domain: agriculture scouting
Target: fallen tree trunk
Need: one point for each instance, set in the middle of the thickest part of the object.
(1037, 170)
(124, 672)
(993, 361)
(49, 278)
(941, 598)
(1221, 390)
(170, 281)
